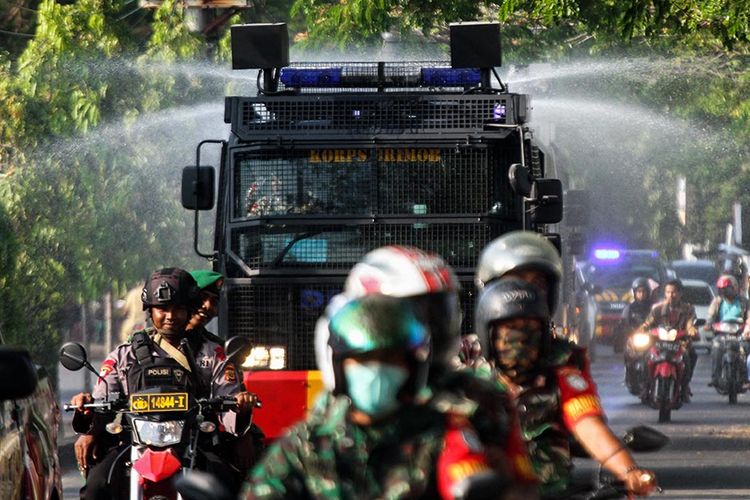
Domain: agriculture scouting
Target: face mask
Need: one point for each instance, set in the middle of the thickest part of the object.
(374, 386)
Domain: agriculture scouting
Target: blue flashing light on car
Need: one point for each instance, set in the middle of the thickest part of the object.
(451, 77)
(607, 254)
(318, 77)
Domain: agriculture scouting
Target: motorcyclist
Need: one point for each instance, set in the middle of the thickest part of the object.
(170, 296)
(559, 400)
(728, 305)
(368, 435)
(532, 259)
(675, 313)
(431, 287)
(247, 444)
(637, 311)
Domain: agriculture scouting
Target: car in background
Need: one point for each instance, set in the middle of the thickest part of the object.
(29, 421)
(700, 294)
(703, 270)
(602, 289)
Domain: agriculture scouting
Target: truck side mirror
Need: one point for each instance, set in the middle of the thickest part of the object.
(18, 378)
(546, 201)
(198, 188)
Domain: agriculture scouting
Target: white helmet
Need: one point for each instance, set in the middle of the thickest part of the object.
(425, 279)
(519, 250)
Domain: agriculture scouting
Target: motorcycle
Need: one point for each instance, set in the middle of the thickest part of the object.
(171, 431)
(667, 361)
(636, 366)
(732, 374)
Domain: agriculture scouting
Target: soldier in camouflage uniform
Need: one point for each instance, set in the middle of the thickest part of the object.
(518, 275)
(431, 287)
(368, 436)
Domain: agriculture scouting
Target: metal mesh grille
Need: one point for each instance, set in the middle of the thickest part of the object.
(387, 181)
(339, 247)
(285, 313)
(347, 114)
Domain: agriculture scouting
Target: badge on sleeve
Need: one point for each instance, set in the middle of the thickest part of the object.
(107, 367)
(230, 374)
(577, 382)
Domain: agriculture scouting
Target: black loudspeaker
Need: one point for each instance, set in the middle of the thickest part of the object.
(259, 46)
(475, 45)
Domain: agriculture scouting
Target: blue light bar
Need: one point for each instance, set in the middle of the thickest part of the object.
(607, 254)
(451, 77)
(318, 77)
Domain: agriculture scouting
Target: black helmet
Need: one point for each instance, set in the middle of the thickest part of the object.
(507, 299)
(170, 285)
(640, 283)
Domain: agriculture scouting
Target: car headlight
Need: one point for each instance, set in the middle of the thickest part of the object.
(641, 340)
(159, 433)
(266, 358)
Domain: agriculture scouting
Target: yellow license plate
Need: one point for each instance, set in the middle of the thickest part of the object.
(173, 401)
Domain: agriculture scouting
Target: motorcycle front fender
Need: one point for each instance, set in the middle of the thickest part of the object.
(665, 370)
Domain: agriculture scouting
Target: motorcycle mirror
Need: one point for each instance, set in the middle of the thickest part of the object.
(73, 356)
(197, 485)
(237, 348)
(18, 376)
(699, 322)
(645, 438)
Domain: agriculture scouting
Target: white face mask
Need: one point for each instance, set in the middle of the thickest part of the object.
(374, 386)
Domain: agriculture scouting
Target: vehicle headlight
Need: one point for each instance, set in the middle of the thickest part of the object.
(159, 433)
(641, 340)
(668, 335)
(266, 357)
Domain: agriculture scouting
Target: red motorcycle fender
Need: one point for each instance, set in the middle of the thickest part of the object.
(665, 370)
(157, 465)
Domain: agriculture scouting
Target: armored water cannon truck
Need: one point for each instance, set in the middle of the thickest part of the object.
(331, 160)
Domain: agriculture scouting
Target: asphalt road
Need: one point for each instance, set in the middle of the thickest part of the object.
(708, 456)
(709, 453)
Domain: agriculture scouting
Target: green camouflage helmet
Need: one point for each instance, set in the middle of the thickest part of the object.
(373, 323)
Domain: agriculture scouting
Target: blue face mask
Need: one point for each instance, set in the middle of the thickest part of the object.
(374, 386)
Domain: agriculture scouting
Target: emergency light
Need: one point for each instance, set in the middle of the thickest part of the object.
(451, 77)
(313, 77)
(606, 254)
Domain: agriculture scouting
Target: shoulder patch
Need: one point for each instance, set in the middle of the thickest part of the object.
(107, 366)
(577, 382)
(220, 356)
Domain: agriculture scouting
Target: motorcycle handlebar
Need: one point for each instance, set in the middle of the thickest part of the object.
(92, 406)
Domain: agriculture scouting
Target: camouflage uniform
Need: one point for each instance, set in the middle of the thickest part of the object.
(549, 406)
(328, 457)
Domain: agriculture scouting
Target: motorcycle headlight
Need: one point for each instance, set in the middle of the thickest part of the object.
(266, 357)
(668, 335)
(641, 340)
(159, 433)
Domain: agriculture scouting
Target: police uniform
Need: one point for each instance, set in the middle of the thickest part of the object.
(418, 453)
(160, 368)
(550, 406)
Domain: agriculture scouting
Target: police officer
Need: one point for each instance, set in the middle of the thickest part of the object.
(209, 283)
(518, 276)
(673, 312)
(368, 435)
(170, 296)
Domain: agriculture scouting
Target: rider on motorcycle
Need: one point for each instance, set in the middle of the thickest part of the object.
(729, 305)
(431, 287)
(637, 311)
(632, 318)
(170, 297)
(675, 313)
(518, 276)
(558, 399)
(369, 436)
